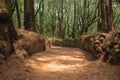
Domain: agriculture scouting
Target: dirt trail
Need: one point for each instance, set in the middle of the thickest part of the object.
(60, 63)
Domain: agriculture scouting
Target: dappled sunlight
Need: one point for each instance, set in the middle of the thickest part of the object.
(53, 67)
(56, 66)
(61, 61)
(56, 47)
(69, 58)
(68, 64)
(44, 59)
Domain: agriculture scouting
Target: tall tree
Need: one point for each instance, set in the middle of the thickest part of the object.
(41, 13)
(62, 20)
(18, 13)
(106, 16)
(75, 20)
(61, 32)
(7, 29)
(29, 18)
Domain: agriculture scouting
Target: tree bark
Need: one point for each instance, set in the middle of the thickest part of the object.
(62, 21)
(106, 16)
(41, 13)
(75, 19)
(18, 14)
(7, 29)
(29, 18)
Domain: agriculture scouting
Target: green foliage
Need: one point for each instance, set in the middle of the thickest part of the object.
(116, 10)
(86, 16)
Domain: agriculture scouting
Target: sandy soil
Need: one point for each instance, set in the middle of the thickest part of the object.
(61, 63)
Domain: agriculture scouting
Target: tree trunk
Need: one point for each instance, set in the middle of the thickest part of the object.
(106, 16)
(7, 30)
(75, 19)
(84, 16)
(18, 14)
(29, 18)
(61, 21)
(41, 17)
(99, 13)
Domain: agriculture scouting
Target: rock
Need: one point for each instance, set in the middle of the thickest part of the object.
(92, 39)
(101, 39)
(30, 41)
(96, 38)
(116, 46)
(107, 49)
(99, 50)
(2, 56)
(103, 35)
(119, 42)
(97, 45)
(97, 42)
(112, 50)
(5, 49)
(118, 33)
(117, 50)
(116, 39)
(22, 54)
(115, 58)
(104, 45)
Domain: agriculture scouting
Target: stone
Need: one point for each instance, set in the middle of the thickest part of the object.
(97, 42)
(91, 39)
(101, 39)
(107, 49)
(118, 33)
(103, 35)
(116, 39)
(119, 42)
(97, 45)
(116, 46)
(99, 49)
(117, 50)
(112, 50)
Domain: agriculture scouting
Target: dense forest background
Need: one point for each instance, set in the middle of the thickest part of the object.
(62, 18)
(59, 39)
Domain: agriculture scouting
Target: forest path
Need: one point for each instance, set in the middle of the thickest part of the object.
(62, 63)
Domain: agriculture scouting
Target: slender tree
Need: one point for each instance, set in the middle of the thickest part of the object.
(75, 20)
(41, 13)
(18, 13)
(61, 30)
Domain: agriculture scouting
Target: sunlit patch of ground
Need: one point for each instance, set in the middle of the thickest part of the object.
(60, 63)
(67, 61)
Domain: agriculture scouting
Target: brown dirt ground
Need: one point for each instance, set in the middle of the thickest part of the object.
(59, 63)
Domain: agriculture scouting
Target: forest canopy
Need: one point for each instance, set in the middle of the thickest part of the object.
(65, 17)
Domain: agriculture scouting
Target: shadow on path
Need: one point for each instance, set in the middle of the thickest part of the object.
(62, 63)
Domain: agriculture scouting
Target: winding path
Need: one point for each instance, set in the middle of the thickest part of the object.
(60, 63)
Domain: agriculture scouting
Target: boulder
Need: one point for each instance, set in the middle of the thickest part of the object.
(29, 41)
